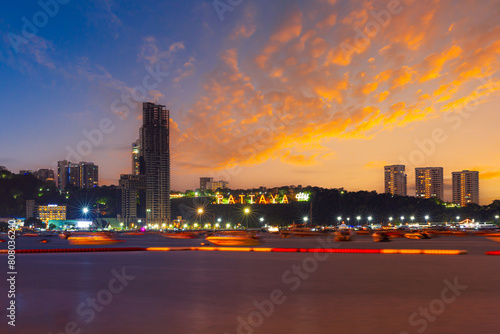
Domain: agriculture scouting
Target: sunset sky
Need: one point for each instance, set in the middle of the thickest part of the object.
(264, 93)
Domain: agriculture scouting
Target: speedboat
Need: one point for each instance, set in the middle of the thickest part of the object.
(381, 236)
(92, 239)
(234, 239)
(417, 235)
(343, 234)
(181, 235)
(302, 230)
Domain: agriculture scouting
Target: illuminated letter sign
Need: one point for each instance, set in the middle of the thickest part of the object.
(274, 198)
(302, 197)
(231, 200)
(219, 199)
(285, 199)
(262, 199)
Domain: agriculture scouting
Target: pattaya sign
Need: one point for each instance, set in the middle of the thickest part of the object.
(261, 198)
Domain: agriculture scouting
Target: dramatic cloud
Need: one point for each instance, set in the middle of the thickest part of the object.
(314, 79)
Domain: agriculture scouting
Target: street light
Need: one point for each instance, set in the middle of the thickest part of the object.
(261, 220)
(402, 220)
(339, 219)
(358, 218)
(369, 220)
(85, 210)
(412, 218)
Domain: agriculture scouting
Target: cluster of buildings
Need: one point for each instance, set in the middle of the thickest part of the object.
(44, 175)
(146, 191)
(429, 183)
(208, 183)
(84, 175)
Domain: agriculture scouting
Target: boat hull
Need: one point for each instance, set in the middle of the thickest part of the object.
(233, 241)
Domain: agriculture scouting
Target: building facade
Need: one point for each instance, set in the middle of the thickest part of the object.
(429, 182)
(395, 180)
(465, 187)
(45, 175)
(83, 175)
(51, 212)
(136, 158)
(204, 182)
(133, 189)
(155, 140)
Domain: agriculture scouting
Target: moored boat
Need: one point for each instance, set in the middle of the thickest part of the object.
(240, 239)
(92, 239)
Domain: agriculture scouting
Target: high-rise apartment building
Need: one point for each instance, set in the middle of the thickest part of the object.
(429, 182)
(82, 175)
(155, 151)
(465, 187)
(89, 175)
(205, 182)
(133, 197)
(63, 171)
(395, 180)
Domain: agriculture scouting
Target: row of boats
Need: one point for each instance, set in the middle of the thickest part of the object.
(251, 238)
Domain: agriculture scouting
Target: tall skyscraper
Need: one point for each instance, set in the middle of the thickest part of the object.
(429, 182)
(156, 154)
(465, 187)
(395, 180)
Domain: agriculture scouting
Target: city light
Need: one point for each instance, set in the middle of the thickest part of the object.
(85, 210)
(306, 219)
(200, 210)
(247, 210)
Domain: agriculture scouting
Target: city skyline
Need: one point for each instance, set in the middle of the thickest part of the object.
(274, 94)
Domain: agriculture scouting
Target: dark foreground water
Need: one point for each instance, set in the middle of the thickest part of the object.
(234, 292)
